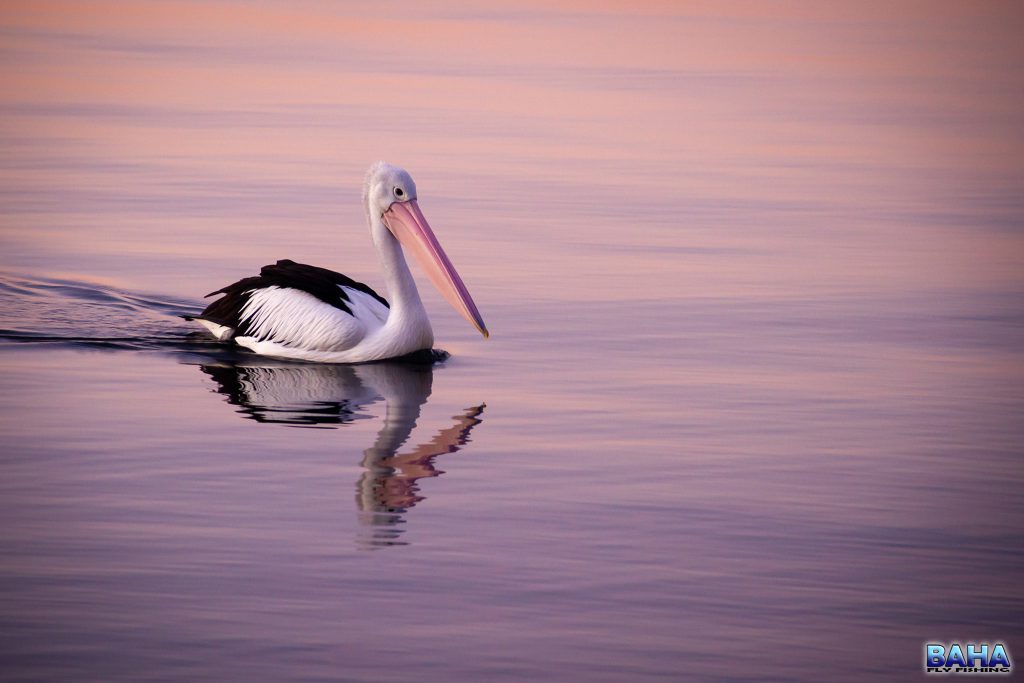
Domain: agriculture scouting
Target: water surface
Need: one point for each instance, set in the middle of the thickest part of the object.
(751, 404)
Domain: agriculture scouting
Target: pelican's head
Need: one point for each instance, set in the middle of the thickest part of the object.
(384, 185)
(389, 195)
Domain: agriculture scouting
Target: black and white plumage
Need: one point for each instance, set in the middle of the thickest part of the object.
(291, 310)
(295, 307)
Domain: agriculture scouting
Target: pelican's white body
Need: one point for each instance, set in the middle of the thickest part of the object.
(296, 325)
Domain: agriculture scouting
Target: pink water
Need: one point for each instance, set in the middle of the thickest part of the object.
(750, 408)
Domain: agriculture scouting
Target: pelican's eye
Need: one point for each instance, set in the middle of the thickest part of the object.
(399, 192)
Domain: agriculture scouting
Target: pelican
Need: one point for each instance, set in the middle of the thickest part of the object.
(299, 312)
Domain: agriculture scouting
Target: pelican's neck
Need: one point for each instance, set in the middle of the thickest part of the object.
(407, 309)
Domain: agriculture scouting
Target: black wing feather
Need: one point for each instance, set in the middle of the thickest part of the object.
(322, 283)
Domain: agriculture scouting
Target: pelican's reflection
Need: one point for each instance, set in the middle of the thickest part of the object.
(306, 395)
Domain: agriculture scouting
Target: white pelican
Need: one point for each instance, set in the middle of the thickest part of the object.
(291, 310)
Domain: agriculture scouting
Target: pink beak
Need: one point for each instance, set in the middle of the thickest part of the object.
(406, 222)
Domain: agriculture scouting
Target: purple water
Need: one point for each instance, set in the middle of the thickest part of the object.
(751, 408)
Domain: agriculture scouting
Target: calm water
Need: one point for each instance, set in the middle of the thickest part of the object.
(751, 408)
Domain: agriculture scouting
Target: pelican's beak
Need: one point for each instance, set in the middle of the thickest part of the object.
(406, 222)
